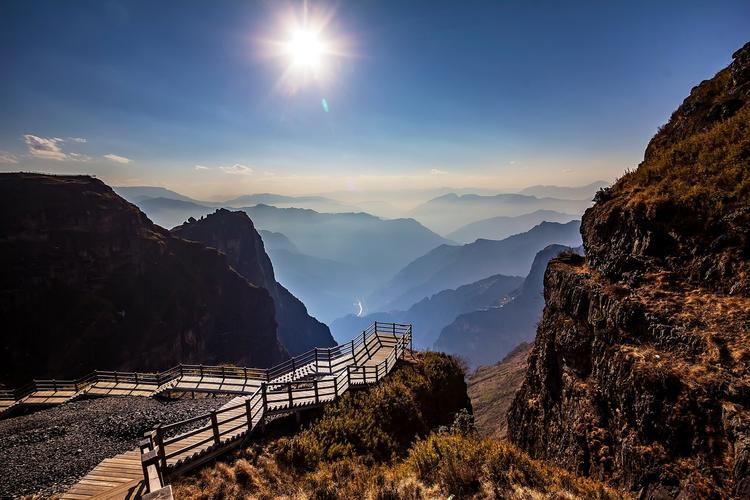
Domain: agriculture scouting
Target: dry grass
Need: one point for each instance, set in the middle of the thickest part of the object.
(441, 465)
(390, 442)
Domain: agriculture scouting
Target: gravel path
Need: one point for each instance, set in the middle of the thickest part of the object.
(48, 451)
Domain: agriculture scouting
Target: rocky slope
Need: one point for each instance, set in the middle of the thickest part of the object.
(89, 282)
(492, 388)
(233, 234)
(640, 372)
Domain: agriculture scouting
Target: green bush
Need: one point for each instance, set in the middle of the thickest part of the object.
(383, 421)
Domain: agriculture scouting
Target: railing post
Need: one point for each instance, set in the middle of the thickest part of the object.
(265, 401)
(201, 370)
(215, 427)
(354, 356)
(223, 372)
(160, 444)
(289, 392)
(117, 381)
(316, 360)
(315, 385)
(335, 388)
(330, 362)
(136, 378)
(249, 411)
(244, 370)
(386, 365)
(349, 374)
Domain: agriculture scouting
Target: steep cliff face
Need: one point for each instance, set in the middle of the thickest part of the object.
(89, 282)
(640, 372)
(233, 234)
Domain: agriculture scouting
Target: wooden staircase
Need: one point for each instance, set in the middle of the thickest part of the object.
(307, 381)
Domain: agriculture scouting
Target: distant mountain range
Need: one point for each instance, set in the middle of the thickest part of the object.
(365, 248)
(450, 266)
(233, 234)
(169, 212)
(430, 315)
(486, 336)
(450, 212)
(317, 203)
(139, 193)
(586, 192)
(277, 241)
(497, 228)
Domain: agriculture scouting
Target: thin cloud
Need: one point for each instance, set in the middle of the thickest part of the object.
(77, 139)
(237, 169)
(117, 158)
(49, 148)
(201, 167)
(6, 157)
(436, 171)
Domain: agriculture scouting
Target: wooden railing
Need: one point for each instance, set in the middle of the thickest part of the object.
(317, 377)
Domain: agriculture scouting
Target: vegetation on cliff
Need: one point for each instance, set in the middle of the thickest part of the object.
(409, 437)
(640, 372)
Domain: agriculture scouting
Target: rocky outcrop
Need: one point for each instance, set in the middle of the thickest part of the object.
(640, 371)
(233, 234)
(89, 282)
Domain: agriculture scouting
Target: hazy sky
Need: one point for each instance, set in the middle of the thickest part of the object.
(196, 95)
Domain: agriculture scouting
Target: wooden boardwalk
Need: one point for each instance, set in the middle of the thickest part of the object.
(114, 478)
(306, 381)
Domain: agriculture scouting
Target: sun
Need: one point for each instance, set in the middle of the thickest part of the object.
(309, 46)
(306, 49)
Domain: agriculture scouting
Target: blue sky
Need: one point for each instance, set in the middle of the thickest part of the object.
(501, 94)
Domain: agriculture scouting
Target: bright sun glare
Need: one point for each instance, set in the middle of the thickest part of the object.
(306, 49)
(309, 47)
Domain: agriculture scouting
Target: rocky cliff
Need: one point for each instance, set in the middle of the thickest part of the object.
(89, 282)
(640, 372)
(233, 234)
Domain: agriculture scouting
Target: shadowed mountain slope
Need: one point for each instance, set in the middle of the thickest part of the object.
(233, 234)
(450, 266)
(431, 314)
(89, 282)
(485, 336)
(497, 228)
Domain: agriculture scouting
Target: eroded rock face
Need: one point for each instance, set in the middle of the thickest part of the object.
(234, 234)
(89, 282)
(640, 370)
